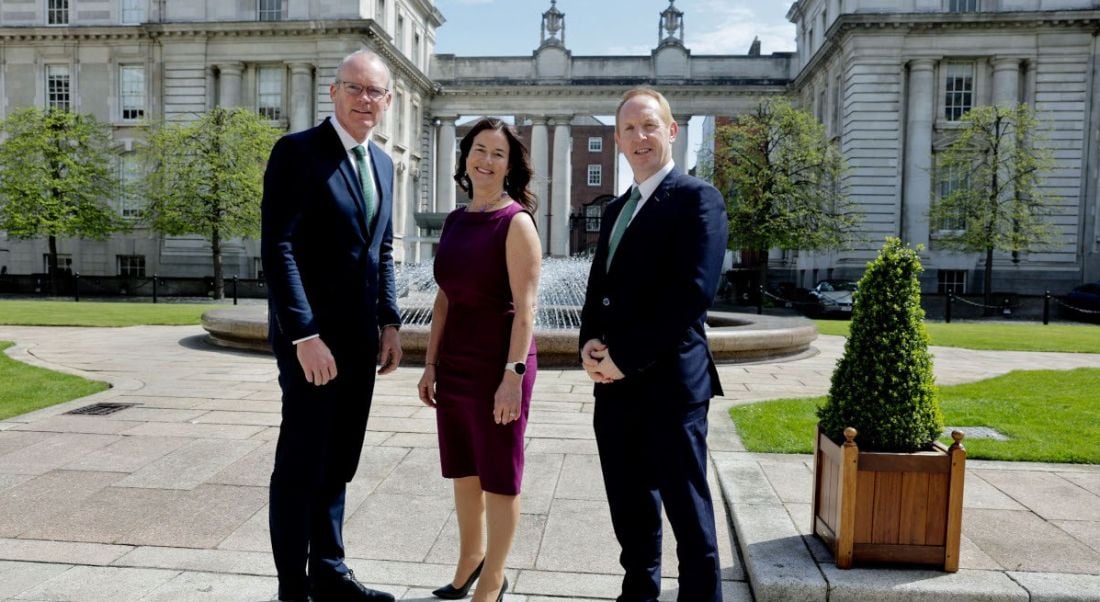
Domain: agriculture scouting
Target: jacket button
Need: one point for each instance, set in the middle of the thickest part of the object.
(606, 302)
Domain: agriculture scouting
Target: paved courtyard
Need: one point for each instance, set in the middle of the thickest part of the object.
(166, 500)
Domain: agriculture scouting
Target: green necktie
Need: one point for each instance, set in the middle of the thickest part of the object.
(366, 180)
(622, 222)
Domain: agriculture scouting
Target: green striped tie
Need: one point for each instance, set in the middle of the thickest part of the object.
(366, 180)
(622, 222)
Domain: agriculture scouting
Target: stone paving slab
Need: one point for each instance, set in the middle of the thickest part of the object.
(201, 442)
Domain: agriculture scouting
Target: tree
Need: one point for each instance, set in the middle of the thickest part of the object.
(782, 181)
(993, 170)
(57, 178)
(205, 177)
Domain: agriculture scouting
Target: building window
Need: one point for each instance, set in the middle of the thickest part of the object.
(953, 281)
(129, 173)
(269, 93)
(133, 12)
(131, 83)
(399, 33)
(592, 215)
(958, 90)
(398, 116)
(595, 144)
(64, 263)
(57, 87)
(595, 175)
(269, 10)
(962, 6)
(131, 266)
(951, 180)
(838, 112)
(416, 49)
(57, 12)
(380, 12)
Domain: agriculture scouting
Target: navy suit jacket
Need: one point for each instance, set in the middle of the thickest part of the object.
(650, 306)
(329, 272)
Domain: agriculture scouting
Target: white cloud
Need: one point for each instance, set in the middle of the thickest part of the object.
(730, 30)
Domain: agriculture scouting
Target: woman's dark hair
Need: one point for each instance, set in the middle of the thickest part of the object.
(519, 165)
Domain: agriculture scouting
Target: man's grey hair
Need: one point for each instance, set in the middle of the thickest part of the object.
(369, 55)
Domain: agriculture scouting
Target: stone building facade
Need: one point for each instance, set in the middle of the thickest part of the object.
(890, 81)
(129, 60)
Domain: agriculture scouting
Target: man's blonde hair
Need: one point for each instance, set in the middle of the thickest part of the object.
(666, 110)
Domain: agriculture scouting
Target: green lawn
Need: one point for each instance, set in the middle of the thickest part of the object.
(999, 336)
(1049, 416)
(85, 313)
(26, 388)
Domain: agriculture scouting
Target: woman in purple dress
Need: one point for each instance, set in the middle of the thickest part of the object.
(480, 364)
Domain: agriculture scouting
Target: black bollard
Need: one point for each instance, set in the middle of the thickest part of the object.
(760, 302)
(1005, 310)
(1046, 308)
(154, 288)
(947, 307)
(235, 290)
(76, 286)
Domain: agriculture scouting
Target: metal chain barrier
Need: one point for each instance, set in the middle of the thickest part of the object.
(1077, 309)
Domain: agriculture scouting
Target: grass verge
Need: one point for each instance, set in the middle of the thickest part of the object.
(91, 313)
(25, 388)
(1048, 415)
(999, 336)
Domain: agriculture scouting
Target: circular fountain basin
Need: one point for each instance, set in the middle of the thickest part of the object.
(734, 337)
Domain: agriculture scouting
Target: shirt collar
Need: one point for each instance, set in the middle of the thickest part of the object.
(651, 183)
(346, 138)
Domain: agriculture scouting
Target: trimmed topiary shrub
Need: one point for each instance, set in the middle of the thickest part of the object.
(883, 384)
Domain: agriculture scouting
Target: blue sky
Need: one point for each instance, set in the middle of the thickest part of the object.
(595, 27)
(614, 27)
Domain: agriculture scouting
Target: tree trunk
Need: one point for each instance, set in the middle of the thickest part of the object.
(987, 283)
(216, 253)
(51, 265)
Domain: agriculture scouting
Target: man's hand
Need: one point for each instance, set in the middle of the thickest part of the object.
(591, 361)
(317, 362)
(391, 350)
(606, 366)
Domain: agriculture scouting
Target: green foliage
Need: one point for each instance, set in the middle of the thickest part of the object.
(781, 177)
(995, 167)
(883, 383)
(57, 176)
(1048, 415)
(208, 173)
(91, 313)
(26, 388)
(999, 336)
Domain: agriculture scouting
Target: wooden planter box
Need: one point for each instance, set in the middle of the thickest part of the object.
(872, 507)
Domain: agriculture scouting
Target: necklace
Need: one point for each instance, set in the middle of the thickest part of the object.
(489, 206)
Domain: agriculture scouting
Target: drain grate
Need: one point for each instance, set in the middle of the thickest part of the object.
(101, 409)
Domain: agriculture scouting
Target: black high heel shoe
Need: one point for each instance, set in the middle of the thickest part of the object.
(503, 588)
(450, 592)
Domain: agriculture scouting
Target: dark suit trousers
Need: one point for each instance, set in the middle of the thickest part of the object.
(320, 440)
(655, 454)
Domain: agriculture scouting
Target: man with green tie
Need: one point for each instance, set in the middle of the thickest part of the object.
(327, 253)
(643, 343)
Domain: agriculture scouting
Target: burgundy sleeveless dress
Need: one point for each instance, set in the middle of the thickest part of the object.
(471, 270)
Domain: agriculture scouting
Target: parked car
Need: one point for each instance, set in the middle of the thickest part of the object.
(833, 297)
(1083, 302)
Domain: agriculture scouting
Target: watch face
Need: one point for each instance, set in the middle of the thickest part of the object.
(519, 368)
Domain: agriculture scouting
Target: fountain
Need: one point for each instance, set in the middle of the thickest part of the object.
(734, 337)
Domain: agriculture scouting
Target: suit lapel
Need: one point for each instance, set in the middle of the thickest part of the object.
(351, 180)
(643, 221)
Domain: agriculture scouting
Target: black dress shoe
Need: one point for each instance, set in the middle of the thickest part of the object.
(450, 592)
(346, 588)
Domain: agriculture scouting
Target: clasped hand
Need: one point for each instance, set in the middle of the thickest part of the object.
(597, 362)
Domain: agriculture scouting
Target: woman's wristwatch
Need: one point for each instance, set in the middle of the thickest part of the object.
(517, 367)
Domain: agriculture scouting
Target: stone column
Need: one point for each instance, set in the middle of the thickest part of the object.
(680, 145)
(229, 85)
(540, 163)
(918, 151)
(561, 193)
(445, 166)
(1006, 81)
(301, 96)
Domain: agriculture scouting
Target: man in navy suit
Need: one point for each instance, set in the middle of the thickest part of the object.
(653, 277)
(327, 255)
